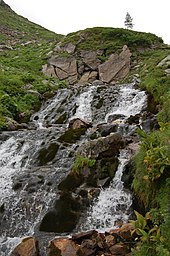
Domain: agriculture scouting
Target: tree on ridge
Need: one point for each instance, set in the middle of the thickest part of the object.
(128, 21)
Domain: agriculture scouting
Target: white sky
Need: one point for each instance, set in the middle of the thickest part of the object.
(66, 16)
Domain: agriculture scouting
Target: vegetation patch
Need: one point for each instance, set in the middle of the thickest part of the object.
(110, 39)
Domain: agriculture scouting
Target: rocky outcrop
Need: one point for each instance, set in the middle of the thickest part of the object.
(85, 66)
(63, 68)
(117, 67)
(165, 62)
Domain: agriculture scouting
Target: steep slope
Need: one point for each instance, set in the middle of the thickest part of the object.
(23, 49)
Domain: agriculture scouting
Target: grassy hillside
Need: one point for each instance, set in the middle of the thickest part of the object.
(111, 39)
(23, 50)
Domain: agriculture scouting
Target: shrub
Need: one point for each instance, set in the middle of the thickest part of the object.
(81, 162)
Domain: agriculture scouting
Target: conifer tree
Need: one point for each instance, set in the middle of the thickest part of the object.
(128, 21)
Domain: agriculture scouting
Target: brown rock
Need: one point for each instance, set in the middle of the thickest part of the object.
(60, 73)
(124, 232)
(28, 247)
(64, 247)
(77, 123)
(119, 249)
(88, 77)
(48, 70)
(65, 67)
(83, 235)
(88, 247)
(117, 67)
(110, 240)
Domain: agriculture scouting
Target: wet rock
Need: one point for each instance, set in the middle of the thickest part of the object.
(61, 119)
(72, 135)
(64, 247)
(150, 124)
(17, 185)
(2, 208)
(78, 123)
(107, 167)
(133, 119)
(103, 146)
(127, 176)
(28, 247)
(46, 155)
(72, 181)
(88, 247)
(116, 118)
(64, 216)
(105, 129)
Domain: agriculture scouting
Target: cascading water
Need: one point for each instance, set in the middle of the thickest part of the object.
(113, 203)
(84, 105)
(33, 162)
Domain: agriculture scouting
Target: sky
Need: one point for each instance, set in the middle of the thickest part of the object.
(66, 16)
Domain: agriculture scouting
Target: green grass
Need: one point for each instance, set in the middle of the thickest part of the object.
(20, 67)
(111, 39)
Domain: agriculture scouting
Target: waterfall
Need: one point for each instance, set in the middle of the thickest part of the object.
(33, 162)
(83, 110)
(130, 101)
(113, 203)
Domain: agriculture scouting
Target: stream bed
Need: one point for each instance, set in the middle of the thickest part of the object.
(33, 162)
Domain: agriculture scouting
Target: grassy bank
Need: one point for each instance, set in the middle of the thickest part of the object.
(151, 182)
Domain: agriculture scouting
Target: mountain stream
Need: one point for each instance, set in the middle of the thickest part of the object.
(33, 162)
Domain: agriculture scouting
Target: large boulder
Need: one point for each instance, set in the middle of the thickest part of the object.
(117, 67)
(102, 147)
(85, 67)
(63, 68)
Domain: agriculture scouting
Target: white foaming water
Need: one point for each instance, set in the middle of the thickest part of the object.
(46, 110)
(14, 159)
(113, 203)
(84, 105)
(11, 154)
(130, 102)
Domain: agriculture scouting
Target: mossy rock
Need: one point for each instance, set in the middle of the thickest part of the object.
(64, 216)
(62, 118)
(71, 182)
(72, 135)
(108, 167)
(47, 154)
